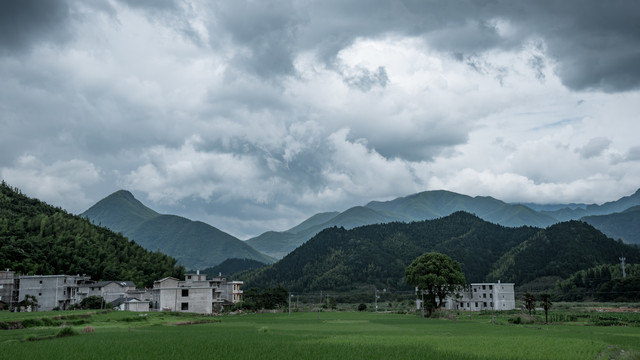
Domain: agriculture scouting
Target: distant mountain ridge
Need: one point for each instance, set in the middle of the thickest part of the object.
(194, 244)
(429, 205)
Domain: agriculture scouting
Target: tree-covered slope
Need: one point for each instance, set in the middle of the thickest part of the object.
(560, 250)
(338, 258)
(622, 225)
(36, 238)
(195, 244)
(232, 266)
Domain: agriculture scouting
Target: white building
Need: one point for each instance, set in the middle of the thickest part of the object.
(195, 294)
(108, 290)
(52, 291)
(481, 296)
(484, 296)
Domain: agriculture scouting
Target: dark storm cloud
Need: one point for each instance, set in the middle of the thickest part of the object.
(28, 22)
(596, 44)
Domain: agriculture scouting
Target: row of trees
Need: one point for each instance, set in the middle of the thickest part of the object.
(545, 303)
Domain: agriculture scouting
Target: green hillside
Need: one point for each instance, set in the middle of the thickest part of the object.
(338, 258)
(36, 238)
(195, 244)
(623, 225)
(417, 207)
(560, 250)
(232, 266)
(377, 255)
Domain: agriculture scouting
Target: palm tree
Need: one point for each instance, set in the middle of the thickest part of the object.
(530, 302)
(545, 302)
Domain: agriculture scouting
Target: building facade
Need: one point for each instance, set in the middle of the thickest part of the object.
(52, 291)
(195, 294)
(108, 290)
(9, 285)
(484, 296)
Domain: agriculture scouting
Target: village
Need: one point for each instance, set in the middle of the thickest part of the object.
(194, 294)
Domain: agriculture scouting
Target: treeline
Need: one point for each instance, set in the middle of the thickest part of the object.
(36, 238)
(601, 283)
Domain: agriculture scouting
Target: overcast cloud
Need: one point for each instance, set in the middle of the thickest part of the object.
(254, 115)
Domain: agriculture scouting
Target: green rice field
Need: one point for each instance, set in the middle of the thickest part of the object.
(308, 335)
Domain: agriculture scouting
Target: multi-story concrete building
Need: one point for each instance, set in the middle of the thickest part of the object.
(195, 294)
(52, 291)
(9, 284)
(484, 296)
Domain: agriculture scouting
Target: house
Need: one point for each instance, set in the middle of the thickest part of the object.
(52, 291)
(130, 304)
(484, 296)
(196, 294)
(8, 290)
(108, 290)
(481, 296)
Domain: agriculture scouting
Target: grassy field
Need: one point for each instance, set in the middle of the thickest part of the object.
(326, 335)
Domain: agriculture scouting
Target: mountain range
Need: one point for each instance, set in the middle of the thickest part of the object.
(435, 204)
(194, 244)
(377, 255)
(198, 245)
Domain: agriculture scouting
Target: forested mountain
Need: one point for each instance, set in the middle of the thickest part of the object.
(36, 238)
(623, 225)
(601, 283)
(232, 266)
(377, 255)
(560, 250)
(434, 204)
(195, 244)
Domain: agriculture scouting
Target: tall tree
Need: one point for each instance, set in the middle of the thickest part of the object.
(436, 276)
(545, 302)
(529, 302)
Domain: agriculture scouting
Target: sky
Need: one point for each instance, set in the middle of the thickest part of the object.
(255, 115)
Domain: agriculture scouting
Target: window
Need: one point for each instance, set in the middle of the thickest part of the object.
(491, 304)
(490, 287)
(184, 306)
(483, 287)
(185, 292)
(475, 290)
(484, 304)
(491, 296)
(40, 281)
(484, 296)
(476, 304)
(39, 294)
(188, 277)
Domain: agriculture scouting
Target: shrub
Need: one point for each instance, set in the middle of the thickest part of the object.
(66, 331)
(362, 307)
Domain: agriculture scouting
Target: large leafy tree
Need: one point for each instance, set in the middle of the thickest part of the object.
(436, 276)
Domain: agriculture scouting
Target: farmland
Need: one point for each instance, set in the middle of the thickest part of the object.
(313, 335)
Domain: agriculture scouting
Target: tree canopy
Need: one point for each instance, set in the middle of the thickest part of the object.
(436, 276)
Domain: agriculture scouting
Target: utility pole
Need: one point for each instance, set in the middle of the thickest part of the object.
(290, 295)
(624, 274)
(375, 292)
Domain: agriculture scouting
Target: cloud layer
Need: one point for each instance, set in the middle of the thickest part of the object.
(253, 116)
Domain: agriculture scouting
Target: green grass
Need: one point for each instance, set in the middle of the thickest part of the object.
(327, 335)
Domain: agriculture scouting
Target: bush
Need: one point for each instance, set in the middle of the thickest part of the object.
(362, 307)
(66, 331)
